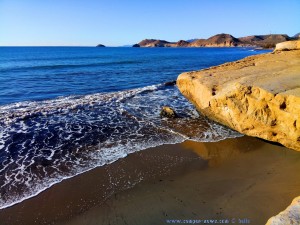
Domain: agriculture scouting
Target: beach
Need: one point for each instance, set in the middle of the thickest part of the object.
(113, 157)
(55, 126)
(149, 113)
(232, 179)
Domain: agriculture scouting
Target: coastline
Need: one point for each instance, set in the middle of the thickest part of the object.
(149, 113)
(220, 40)
(60, 119)
(233, 178)
(243, 96)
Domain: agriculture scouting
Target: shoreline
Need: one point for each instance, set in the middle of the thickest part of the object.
(177, 179)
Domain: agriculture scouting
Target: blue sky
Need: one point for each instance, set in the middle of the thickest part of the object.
(120, 22)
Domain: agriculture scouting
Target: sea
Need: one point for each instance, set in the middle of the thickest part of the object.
(67, 110)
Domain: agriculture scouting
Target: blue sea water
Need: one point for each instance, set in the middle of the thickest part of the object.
(38, 73)
(66, 110)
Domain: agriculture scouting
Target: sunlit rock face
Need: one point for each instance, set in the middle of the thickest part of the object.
(258, 95)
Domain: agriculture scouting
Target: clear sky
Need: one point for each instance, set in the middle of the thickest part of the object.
(120, 22)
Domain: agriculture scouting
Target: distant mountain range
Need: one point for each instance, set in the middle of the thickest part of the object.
(222, 40)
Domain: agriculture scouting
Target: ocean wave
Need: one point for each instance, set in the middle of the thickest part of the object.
(45, 142)
(28, 109)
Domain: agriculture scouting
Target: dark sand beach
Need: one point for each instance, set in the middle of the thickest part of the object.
(232, 179)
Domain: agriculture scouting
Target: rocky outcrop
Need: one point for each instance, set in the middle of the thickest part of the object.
(296, 36)
(221, 40)
(257, 96)
(288, 46)
(291, 215)
(100, 45)
(153, 43)
(265, 41)
(161, 43)
(182, 43)
(168, 112)
(198, 43)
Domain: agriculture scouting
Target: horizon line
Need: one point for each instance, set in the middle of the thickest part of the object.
(130, 45)
(63, 46)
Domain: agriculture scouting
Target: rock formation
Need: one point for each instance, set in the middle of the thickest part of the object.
(265, 41)
(182, 43)
(296, 36)
(291, 215)
(153, 43)
(197, 43)
(288, 46)
(168, 112)
(221, 40)
(100, 45)
(258, 95)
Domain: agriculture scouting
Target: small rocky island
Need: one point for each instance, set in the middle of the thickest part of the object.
(100, 46)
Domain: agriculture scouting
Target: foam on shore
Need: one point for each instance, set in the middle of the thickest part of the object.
(45, 142)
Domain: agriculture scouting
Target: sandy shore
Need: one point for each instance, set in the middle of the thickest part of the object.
(243, 178)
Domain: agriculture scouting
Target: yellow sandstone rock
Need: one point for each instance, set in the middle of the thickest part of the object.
(291, 215)
(287, 46)
(167, 111)
(257, 96)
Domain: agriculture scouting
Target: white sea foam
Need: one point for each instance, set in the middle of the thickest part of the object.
(43, 143)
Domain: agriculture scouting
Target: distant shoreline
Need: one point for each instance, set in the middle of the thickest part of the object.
(250, 47)
(219, 40)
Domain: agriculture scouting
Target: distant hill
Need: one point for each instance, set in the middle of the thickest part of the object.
(198, 43)
(221, 40)
(191, 40)
(297, 36)
(153, 43)
(266, 41)
(100, 45)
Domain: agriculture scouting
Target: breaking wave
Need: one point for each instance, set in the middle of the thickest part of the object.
(45, 142)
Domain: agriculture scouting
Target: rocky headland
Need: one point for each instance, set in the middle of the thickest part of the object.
(222, 40)
(258, 96)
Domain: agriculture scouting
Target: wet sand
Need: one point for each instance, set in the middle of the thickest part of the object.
(243, 178)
